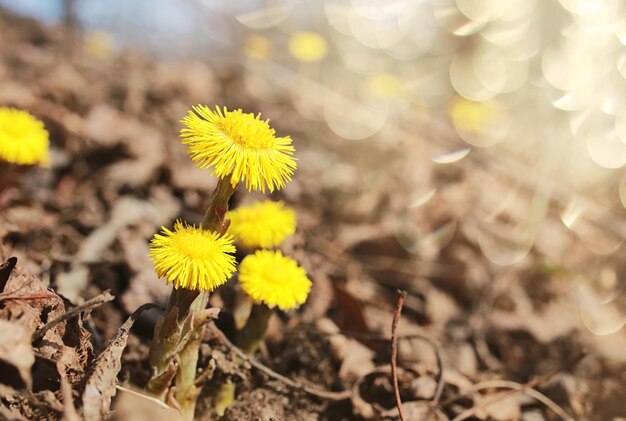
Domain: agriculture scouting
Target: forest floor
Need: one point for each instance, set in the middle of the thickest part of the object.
(475, 340)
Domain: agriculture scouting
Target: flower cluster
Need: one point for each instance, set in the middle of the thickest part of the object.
(23, 138)
(241, 148)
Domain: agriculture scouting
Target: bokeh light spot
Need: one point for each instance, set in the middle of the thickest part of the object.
(308, 46)
(258, 47)
(384, 85)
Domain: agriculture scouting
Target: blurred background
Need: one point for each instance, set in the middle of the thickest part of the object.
(433, 134)
(533, 91)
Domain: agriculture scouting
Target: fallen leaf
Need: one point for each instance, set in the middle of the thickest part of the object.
(356, 359)
(5, 271)
(16, 350)
(134, 405)
(100, 385)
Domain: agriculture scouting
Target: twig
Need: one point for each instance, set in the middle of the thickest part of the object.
(394, 351)
(4, 297)
(324, 394)
(96, 301)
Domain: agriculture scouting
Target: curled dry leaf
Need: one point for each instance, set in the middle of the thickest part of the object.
(5, 271)
(356, 359)
(16, 351)
(46, 343)
(134, 405)
(9, 414)
(100, 385)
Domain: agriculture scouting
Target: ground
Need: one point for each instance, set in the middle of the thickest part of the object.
(509, 338)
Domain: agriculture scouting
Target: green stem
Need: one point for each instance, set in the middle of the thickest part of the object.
(186, 390)
(173, 328)
(214, 217)
(179, 332)
(250, 337)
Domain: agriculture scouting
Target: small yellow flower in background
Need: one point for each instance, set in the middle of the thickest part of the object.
(308, 46)
(23, 138)
(472, 116)
(273, 279)
(193, 258)
(100, 44)
(262, 224)
(239, 146)
(258, 47)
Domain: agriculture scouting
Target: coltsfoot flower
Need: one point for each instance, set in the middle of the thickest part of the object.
(23, 138)
(273, 279)
(193, 258)
(262, 224)
(239, 146)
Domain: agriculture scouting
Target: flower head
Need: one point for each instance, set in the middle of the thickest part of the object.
(239, 146)
(23, 138)
(262, 224)
(193, 258)
(269, 277)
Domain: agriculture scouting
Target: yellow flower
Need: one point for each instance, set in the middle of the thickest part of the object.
(269, 277)
(239, 146)
(308, 46)
(262, 224)
(100, 44)
(23, 138)
(193, 258)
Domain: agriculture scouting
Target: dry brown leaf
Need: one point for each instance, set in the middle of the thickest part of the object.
(147, 147)
(505, 409)
(132, 405)
(100, 385)
(10, 414)
(5, 271)
(145, 287)
(29, 312)
(16, 350)
(127, 211)
(69, 411)
(104, 124)
(356, 359)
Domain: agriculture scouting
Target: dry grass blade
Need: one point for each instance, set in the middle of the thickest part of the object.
(96, 301)
(533, 393)
(394, 351)
(526, 388)
(151, 399)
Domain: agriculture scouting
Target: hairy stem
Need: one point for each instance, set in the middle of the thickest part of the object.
(251, 335)
(179, 331)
